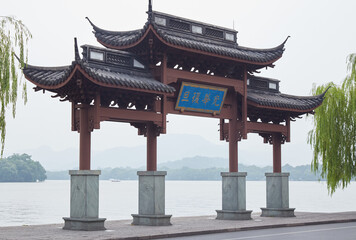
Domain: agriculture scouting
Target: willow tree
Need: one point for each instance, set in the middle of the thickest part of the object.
(333, 137)
(14, 36)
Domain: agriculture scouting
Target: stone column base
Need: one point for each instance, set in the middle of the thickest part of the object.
(84, 201)
(151, 220)
(233, 215)
(151, 199)
(277, 190)
(233, 197)
(82, 224)
(277, 212)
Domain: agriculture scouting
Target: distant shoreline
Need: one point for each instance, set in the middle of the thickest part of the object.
(183, 173)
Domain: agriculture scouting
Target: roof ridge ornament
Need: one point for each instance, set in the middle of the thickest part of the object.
(76, 51)
(286, 40)
(149, 12)
(23, 65)
(323, 94)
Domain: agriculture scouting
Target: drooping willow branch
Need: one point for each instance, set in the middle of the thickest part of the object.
(333, 137)
(14, 36)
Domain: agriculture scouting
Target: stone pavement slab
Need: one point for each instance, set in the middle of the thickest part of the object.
(181, 226)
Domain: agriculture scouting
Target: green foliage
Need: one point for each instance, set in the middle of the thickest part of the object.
(333, 137)
(21, 168)
(14, 35)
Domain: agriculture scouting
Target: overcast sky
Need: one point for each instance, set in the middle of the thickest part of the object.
(322, 35)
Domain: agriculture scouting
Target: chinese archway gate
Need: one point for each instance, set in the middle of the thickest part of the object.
(173, 66)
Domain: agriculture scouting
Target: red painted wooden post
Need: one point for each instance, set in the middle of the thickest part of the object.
(277, 160)
(244, 106)
(233, 158)
(84, 150)
(151, 147)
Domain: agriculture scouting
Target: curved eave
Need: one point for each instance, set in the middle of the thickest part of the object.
(78, 68)
(151, 28)
(293, 110)
(56, 70)
(278, 106)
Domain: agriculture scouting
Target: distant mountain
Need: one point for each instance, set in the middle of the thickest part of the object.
(55, 160)
(171, 147)
(197, 162)
(188, 169)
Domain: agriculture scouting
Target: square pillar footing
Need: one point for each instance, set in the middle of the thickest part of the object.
(277, 190)
(84, 202)
(82, 224)
(151, 220)
(277, 212)
(233, 215)
(233, 197)
(151, 199)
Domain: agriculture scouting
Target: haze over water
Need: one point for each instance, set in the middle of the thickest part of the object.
(48, 202)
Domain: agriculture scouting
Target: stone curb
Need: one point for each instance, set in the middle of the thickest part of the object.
(203, 232)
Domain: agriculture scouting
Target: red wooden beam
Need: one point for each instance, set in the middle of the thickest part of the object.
(258, 127)
(128, 115)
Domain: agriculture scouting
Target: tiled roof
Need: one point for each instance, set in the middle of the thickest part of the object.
(131, 79)
(280, 100)
(114, 76)
(181, 35)
(48, 76)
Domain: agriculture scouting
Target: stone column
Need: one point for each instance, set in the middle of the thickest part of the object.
(277, 191)
(233, 197)
(84, 201)
(151, 199)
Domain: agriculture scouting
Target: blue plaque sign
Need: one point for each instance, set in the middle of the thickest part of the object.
(200, 98)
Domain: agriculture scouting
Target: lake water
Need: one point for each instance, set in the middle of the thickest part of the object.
(48, 202)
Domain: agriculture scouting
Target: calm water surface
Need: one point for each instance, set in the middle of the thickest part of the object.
(48, 202)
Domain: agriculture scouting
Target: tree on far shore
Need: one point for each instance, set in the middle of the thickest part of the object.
(333, 137)
(14, 36)
(21, 168)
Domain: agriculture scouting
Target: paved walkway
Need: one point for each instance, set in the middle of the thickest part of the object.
(182, 226)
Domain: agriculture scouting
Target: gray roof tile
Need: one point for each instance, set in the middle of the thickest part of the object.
(121, 39)
(280, 100)
(115, 76)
